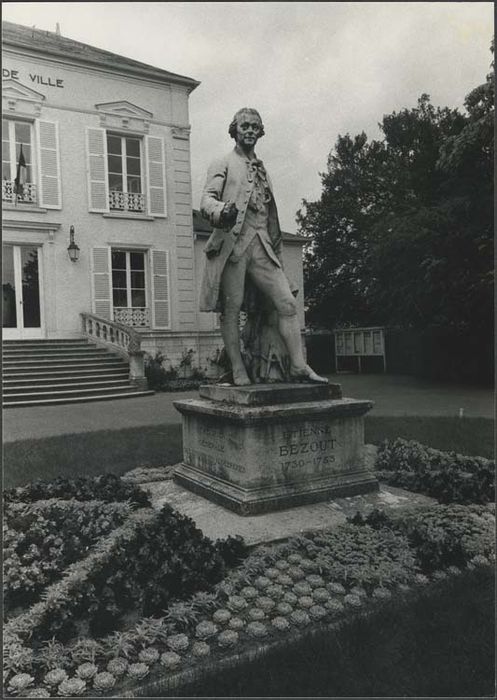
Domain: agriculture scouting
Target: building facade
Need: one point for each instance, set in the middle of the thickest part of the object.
(106, 147)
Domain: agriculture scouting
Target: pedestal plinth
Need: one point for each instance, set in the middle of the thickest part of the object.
(265, 447)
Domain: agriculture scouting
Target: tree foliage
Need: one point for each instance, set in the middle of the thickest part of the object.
(402, 233)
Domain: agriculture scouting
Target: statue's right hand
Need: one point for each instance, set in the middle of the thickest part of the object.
(228, 215)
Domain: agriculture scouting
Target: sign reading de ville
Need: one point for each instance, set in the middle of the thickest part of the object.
(34, 78)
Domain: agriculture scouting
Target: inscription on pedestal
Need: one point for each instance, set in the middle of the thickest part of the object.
(211, 437)
(315, 442)
(257, 459)
(210, 464)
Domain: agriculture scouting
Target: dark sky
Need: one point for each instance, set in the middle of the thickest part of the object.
(314, 70)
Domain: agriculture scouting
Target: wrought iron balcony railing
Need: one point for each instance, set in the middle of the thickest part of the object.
(134, 317)
(126, 201)
(27, 196)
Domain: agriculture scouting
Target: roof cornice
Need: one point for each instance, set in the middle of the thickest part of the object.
(109, 65)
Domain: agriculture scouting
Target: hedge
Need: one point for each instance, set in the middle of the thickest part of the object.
(447, 476)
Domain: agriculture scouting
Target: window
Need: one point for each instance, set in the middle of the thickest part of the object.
(124, 164)
(14, 135)
(129, 295)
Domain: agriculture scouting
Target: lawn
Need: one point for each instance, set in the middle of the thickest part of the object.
(467, 436)
(91, 453)
(119, 451)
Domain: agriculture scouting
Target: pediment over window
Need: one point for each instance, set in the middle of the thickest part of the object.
(19, 98)
(124, 115)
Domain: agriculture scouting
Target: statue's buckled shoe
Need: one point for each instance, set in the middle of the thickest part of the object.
(307, 375)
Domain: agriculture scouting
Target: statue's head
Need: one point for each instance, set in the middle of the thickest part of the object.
(246, 127)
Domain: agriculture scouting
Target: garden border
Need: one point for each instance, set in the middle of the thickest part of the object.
(166, 684)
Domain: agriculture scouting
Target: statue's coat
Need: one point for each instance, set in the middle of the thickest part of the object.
(230, 179)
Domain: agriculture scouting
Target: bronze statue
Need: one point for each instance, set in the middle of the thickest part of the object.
(244, 268)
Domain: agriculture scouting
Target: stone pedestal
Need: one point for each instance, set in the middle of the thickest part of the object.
(266, 447)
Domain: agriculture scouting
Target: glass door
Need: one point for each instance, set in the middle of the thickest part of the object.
(21, 277)
(129, 288)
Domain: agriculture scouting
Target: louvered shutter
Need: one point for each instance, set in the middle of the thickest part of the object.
(101, 276)
(156, 176)
(49, 164)
(98, 186)
(160, 289)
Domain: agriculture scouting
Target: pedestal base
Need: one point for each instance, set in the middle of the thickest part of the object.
(265, 500)
(266, 447)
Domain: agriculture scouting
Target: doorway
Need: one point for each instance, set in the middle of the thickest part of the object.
(22, 312)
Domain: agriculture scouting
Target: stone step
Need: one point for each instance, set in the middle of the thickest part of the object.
(51, 380)
(68, 370)
(19, 403)
(16, 349)
(61, 363)
(63, 385)
(55, 393)
(31, 375)
(45, 342)
(14, 355)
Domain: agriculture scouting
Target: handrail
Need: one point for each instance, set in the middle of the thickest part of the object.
(125, 339)
(111, 332)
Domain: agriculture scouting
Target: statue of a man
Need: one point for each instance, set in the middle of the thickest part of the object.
(244, 251)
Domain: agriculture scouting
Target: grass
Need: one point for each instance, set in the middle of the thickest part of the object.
(468, 436)
(441, 645)
(119, 451)
(92, 453)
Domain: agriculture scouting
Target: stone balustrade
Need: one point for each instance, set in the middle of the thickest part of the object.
(119, 338)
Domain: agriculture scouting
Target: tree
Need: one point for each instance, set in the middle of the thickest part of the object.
(432, 263)
(402, 231)
(367, 184)
(337, 225)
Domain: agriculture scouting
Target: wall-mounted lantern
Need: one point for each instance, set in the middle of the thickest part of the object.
(72, 249)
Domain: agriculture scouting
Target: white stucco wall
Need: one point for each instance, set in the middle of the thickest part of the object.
(67, 286)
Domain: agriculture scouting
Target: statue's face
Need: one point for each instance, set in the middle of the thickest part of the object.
(248, 129)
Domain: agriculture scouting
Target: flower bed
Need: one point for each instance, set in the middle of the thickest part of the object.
(42, 538)
(276, 593)
(78, 569)
(446, 476)
(107, 487)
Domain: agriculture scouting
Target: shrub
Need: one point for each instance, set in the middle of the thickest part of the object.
(107, 487)
(232, 549)
(446, 476)
(42, 538)
(155, 373)
(361, 556)
(162, 379)
(440, 535)
(153, 558)
(182, 384)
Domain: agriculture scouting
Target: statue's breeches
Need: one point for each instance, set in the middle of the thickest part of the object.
(264, 274)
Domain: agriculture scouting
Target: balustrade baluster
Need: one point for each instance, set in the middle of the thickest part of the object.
(117, 335)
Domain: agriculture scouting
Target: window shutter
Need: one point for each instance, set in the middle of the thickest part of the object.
(49, 164)
(101, 282)
(98, 185)
(160, 289)
(156, 176)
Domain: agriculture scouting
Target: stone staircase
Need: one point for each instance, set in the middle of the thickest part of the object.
(47, 372)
